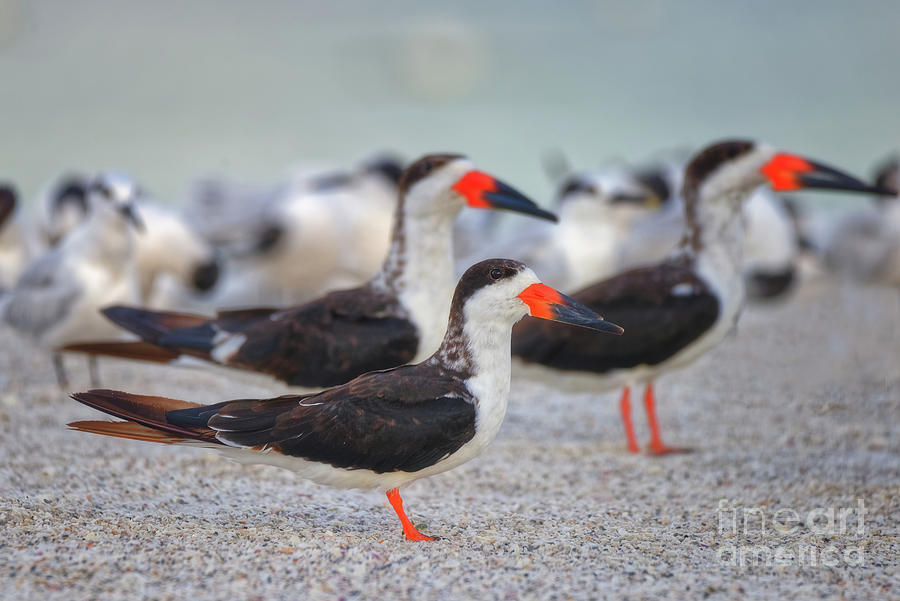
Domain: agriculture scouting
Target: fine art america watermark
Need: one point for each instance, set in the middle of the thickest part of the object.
(837, 534)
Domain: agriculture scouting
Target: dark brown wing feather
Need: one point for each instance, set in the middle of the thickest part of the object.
(662, 308)
(403, 419)
(326, 342)
(329, 341)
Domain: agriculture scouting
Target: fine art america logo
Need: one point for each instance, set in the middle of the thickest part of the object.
(824, 536)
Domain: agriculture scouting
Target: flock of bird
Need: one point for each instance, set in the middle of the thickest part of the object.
(347, 280)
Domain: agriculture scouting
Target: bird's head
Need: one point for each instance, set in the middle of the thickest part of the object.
(732, 168)
(507, 290)
(118, 192)
(65, 207)
(599, 194)
(448, 182)
(385, 165)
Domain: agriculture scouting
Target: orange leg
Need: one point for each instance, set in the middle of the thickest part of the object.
(657, 447)
(409, 530)
(625, 406)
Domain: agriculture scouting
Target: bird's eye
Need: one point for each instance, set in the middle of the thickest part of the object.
(496, 273)
(426, 166)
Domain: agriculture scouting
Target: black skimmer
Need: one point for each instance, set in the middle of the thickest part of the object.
(384, 429)
(676, 310)
(397, 318)
(14, 247)
(865, 245)
(58, 298)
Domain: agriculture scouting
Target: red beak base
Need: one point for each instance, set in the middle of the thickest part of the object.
(787, 172)
(546, 303)
(483, 191)
(783, 171)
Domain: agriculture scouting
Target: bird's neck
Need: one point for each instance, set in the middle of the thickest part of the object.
(479, 351)
(419, 272)
(714, 239)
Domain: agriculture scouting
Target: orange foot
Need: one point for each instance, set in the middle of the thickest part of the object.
(409, 530)
(415, 535)
(660, 448)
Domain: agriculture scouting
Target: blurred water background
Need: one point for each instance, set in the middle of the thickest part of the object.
(171, 90)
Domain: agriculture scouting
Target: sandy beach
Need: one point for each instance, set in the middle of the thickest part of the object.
(791, 419)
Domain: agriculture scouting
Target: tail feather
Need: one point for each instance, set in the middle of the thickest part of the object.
(143, 351)
(151, 326)
(126, 430)
(149, 412)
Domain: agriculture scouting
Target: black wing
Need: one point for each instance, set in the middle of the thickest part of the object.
(404, 419)
(327, 342)
(662, 309)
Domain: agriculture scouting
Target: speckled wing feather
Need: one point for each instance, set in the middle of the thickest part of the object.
(662, 308)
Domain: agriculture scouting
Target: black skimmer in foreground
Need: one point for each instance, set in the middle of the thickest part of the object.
(676, 310)
(58, 298)
(384, 429)
(398, 317)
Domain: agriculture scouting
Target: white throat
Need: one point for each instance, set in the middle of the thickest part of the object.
(419, 270)
(715, 240)
(488, 360)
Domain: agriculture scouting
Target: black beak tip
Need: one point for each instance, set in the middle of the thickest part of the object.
(576, 314)
(548, 216)
(507, 197)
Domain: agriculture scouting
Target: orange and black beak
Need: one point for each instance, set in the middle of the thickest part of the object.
(788, 172)
(483, 191)
(546, 303)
